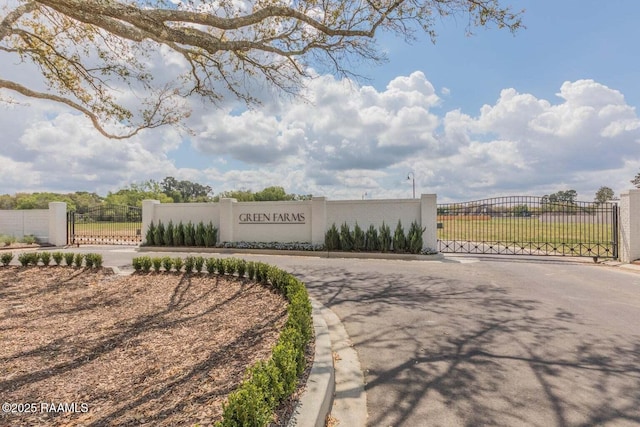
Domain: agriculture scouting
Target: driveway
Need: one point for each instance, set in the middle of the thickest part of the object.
(475, 341)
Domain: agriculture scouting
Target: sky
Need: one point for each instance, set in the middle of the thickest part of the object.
(553, 107)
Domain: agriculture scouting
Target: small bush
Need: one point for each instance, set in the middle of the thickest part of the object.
(6, 258)
(97, 260)
(189, 263)
(29, 239)
(189, 234)
(159, 234)
(251, 270)
(210, 235)
(346, 238)
(57, 257)
(414, 238)
(68, 258)
(399, 239)
(199, 263)
(88, 260)
(332, 239)
(210, 265)
(385, 238)
(7, 240)
(372, 243)
(358, 238)
(178, 234)
(199, 234)
(146, 263)
(167, 262)
(136, 262)
(221, 266)
(156, 262)
(242, 267)
(168, 235)
(150, 238)
(178, 263)
(24, 258)
(231, 265)
(77, 260)
(45, 257)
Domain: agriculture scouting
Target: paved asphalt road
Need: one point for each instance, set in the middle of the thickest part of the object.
(484, 341)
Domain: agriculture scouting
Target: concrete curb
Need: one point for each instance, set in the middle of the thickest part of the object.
(316, 400)
(317, 254)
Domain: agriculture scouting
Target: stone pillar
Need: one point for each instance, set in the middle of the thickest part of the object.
(58, 223)
(318, 219)
(227, 220)
(429, 221)
(148, 215)
(629, 224)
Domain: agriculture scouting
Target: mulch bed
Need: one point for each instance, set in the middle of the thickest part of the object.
(147, 349)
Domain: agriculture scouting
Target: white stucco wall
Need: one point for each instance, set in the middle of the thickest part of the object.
(185, 212)
(367, 212)
(20, 223)
(629, 246)
(263, 221)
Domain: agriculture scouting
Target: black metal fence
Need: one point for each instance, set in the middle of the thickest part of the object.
(527, 225)
(109, 224)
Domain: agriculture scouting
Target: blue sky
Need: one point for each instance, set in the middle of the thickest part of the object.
(472, 117)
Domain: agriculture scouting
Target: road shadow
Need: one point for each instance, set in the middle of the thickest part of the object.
(450, 347)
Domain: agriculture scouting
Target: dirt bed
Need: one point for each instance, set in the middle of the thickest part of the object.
(101, 349)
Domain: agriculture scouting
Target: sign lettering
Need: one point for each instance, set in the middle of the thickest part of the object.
(272, 218)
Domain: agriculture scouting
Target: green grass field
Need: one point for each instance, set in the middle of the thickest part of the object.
(528, 232)
(107, 228)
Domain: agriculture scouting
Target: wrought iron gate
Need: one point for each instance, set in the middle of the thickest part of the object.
(525, 225)
(107, 225)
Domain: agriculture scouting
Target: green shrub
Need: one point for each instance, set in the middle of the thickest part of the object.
(242, 267)
(24, 258)
(146, 263)
(231, 265)
(7, 240)
(399, 239)
(45, 257)
(358, 238)
(57, 257)
(168, 234)
(158, 237)
(210, 235)
(189, 263)
(372, 243)
(77, 260)
(29, 239)
(210, 265)
(332, 239)
(97, 260)
(246, 406)
(221, 266)
(136, 262)
(156, 262)
(178, 234)
(189, 234)
(385, 238)
(6, 258)
(414, 238)
(150, 238)
(199, 234)
(88, 260)
(346, 238)
(167, 262)
(68, 258)
(251, 270)
(178, 263)
(199, 263)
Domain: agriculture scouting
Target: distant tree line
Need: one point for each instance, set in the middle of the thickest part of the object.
(169, 190)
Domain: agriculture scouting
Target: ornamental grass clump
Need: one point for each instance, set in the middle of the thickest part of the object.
(77, 260)
(45, 257)
(88, 260)
(68, 258)
(57, 257)
(177, 264)
(24, 259)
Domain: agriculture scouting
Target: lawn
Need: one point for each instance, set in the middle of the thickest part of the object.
(148, 349)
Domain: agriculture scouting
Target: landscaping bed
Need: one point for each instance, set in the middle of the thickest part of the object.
(148, 349)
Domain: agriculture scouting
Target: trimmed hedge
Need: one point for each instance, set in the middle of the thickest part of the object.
(189, 234)
(267, 383)
(91, 260)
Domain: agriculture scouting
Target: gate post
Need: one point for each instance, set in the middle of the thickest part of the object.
(58, 223)
(148, 213)
(629, 224)
(429, 221)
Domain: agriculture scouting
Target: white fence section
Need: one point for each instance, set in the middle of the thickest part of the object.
(629, 249)
(47, 225)
(295, 221)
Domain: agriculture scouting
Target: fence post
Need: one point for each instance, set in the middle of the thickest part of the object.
(629, 224)
(429, 221)
(58, 223)
(148, 213)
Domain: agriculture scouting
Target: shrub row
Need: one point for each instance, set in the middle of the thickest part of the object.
(6, 240)
(266, 383)
(375, 240)
(188, 234)
(91, 260)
